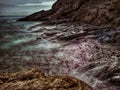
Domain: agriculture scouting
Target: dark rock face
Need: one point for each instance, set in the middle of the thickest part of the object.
(98, 12)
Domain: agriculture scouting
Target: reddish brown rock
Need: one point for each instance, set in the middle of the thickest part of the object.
(36, 80)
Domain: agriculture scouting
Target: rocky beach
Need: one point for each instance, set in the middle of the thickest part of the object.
(74, 42)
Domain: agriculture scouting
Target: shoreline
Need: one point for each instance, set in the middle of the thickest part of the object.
(85, 53)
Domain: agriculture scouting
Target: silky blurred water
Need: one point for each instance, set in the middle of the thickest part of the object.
(13, 32)
(19, 35)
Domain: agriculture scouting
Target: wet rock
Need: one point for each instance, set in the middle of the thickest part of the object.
(107, 73)
(115, 80)
(109, 36)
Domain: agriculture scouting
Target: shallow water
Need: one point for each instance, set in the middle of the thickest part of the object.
(83, 58)
(14, 33)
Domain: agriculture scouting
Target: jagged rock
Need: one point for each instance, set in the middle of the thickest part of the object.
(97, 12)
(36, 80)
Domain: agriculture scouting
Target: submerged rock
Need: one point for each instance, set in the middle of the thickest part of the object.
(97, 12)
(36, 80)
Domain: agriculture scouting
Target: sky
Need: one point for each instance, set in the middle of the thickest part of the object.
(23, 1)
(24, 7)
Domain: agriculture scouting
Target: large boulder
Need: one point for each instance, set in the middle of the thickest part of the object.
(36, 80)
(97, 12)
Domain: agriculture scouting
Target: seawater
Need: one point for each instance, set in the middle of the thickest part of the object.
(18, 35)
(13, 32)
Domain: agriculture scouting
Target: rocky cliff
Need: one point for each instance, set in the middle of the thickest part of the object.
(97, 12)
(36, 80)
